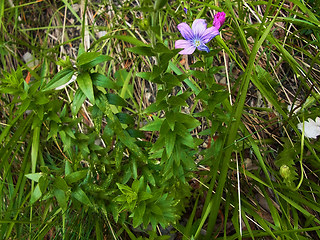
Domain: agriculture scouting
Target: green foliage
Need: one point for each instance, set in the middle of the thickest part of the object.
(286, 162)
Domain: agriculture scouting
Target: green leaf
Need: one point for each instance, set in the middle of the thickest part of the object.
(159, 4)
(144, 75)
(155, 107)
(59, 79)
(171, 119)
(186, 137)
(78, 100)
(217, 98)
(142, 50)
(138, 214)
(85, 84)
(188, 121)
(135, 133)
(124, 188)
(128, 39)
(177, 101)
(171, 79)
(94, 62)
(115, 99)
(61, 198)
(76, 176)
(170, 141)
(161, 48)
(36, 194)
(81, 196)
(60, 183)
(34, 176)
(102, 81)
(153, 126)
(125, 118)
(199, 74)
(87, 57)
(68, 168)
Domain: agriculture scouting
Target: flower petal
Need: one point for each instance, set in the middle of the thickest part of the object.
(199, 26)
(188, 50)
(183, 44)
(219, 19)
(208, 34)
(185, 31)
(311, 129)
(203, 47)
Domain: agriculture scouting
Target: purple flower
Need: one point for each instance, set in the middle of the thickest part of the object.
(195, 37)
(198, 35)
(185, 10)
(219, 19)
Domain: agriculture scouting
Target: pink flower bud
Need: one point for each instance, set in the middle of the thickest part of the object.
(219, 19)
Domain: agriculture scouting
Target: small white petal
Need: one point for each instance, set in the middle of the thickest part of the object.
(311, 128)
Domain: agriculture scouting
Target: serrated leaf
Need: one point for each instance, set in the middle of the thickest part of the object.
(85, 83)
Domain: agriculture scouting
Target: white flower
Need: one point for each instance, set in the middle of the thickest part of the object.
(311, 128)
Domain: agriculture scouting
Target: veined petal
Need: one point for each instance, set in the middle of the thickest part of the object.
(185, 31)
(199, 26)
(203, 47)
(182, 44)
(209, 33)
(188, 50)
(219, 19)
